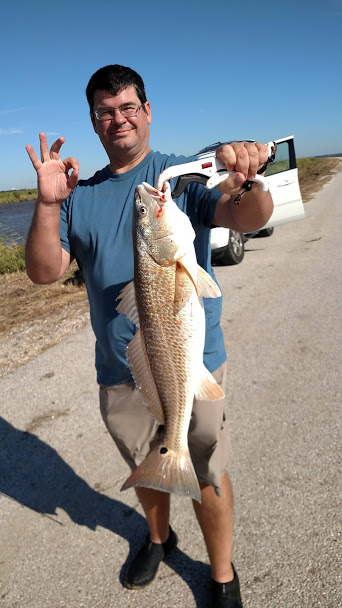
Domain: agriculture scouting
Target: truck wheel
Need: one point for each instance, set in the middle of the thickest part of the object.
(265, 232)
(235, 250)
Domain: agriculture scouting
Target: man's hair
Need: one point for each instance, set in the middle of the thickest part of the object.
(114, 79)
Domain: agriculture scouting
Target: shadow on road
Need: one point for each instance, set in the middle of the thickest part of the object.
(34, 474)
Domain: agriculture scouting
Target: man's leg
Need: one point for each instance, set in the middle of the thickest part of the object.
(135, 433)
(156, 507)
(209, 445)
(215, 517)
(159, 542)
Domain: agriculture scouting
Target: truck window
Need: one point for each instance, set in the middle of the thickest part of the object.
(282, 160)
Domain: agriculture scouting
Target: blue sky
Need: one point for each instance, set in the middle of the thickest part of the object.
(213, 70)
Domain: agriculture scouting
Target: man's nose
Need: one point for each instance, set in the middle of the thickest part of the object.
(118, 118)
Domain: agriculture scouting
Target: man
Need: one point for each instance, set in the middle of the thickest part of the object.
(91, 221)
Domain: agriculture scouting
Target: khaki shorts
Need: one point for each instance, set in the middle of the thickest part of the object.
(136, 432)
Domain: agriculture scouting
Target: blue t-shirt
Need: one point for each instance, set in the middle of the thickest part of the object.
(96, 228)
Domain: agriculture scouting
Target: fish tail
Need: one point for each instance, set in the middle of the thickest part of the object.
(166, 471)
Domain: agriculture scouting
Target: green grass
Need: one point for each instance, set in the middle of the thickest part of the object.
(310, 166)
(16, 196)
(12, 259)
(277, 166)
(12, 251)
(313, 169)
(304, 163)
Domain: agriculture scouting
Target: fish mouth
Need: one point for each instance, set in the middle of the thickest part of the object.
(160, 197)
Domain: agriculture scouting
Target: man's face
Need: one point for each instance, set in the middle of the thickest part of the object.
(122, 137)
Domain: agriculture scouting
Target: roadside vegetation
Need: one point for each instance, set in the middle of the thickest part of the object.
(313, 173)
(21, 301)
(17, 196)
(12, 258)
(12, 251)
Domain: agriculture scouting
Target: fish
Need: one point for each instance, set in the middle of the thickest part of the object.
(165, 357)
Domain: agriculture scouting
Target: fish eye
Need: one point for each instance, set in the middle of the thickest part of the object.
(142, 210)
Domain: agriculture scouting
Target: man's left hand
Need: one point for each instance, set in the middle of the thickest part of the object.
(245, 159)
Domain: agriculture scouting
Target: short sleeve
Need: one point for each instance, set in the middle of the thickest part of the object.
(64, 224)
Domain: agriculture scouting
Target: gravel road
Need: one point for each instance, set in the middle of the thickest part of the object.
(66, 530)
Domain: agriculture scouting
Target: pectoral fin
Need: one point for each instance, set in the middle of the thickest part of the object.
(188, 264)
(143, 378)
(204, 284)
(207, 388)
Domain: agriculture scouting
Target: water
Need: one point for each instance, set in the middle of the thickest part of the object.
(15, 218)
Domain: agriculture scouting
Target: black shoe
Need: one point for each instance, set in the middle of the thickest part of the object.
(226, 595)
(144, 566)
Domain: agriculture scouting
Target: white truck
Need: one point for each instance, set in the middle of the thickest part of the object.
(227, 246)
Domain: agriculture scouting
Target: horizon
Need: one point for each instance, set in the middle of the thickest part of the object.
(317, 156)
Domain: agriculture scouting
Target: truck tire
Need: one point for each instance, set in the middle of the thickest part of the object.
(235, 250)
(265, 232)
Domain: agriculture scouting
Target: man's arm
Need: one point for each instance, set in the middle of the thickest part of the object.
(46, 260)
(256, 206)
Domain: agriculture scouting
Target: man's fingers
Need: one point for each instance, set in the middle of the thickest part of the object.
(44, 148)
(235, 157)
(33, 157)
(232, 183)
(253, 157)
(243, 157)
(73, 179)
(263, 153)
(45, 154)
(71, 163)
(227, 156)
(55, 148)
(242, 160)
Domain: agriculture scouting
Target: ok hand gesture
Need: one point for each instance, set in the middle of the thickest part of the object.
(54, 182)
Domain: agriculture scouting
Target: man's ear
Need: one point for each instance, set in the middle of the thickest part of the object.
(147, 108)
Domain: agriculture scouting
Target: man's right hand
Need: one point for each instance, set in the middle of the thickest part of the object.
(54, 182)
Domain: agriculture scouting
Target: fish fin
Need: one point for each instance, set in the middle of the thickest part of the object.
(143, 378)
(188, 264)
(207, 388)
(166, 471)
(206, 284)
(128, 304)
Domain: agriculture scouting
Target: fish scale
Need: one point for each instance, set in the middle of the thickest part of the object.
(169, 360)
(166, 354)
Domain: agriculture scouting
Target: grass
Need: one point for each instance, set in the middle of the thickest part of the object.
(313, 173)
(17, 196)
(23, 302)
(277, 166)
(12, 259)
(12, 251)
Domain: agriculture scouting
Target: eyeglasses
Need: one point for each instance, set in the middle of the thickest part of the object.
(128, 111)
